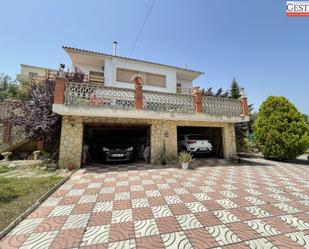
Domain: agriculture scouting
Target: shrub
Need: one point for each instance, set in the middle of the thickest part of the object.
(280, 131)
(36, 117)
(185, 157)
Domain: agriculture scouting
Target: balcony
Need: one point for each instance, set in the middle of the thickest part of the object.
(87, 99)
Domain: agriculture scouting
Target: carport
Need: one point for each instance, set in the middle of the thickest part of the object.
(98, 136)
(213, 134)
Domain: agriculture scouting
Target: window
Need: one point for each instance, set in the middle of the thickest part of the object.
(125, 75)
(156, 80)
(96, 77)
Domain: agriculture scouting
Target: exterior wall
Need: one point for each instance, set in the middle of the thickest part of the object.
(163, 135)
(185, 83)
(110, 69)
(229, 141)
(71, 141)
(26, 69)
(86, 68)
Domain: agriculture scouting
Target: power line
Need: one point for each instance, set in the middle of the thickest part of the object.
(142, 27)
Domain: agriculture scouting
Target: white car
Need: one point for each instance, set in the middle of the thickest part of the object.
(194, 143)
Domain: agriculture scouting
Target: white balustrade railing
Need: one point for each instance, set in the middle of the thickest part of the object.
(168, 102)
(87, 94)
(221, 106)
(95, 95)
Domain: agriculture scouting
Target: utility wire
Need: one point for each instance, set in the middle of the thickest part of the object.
(142, 27)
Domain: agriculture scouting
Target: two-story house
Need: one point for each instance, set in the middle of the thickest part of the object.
(153, 113)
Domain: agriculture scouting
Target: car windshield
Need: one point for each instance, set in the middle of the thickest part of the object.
(197, 137)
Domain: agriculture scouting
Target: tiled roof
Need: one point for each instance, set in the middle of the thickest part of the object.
(132, 59)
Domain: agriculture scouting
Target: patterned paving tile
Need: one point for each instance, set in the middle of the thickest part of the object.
(188, 221)
(61, 210)
(300, 238)
(176, 240)
(103, 207)
(95, 235)
(123, 215)
(196, 207)
(13, 241)
(208, 207)
(145, 228)
(150, 242)
(243, 231)
(68, 238)
(50, 224)
(39, 240)
(201, 238)
(124, 244)
(260, 243)
(283, 241)
(26, 226)
(76, 221)
(168, 224)
(121, 231)
(207, 219)
(223, 235)
(225, 216)
(161, 211)
(262, 227)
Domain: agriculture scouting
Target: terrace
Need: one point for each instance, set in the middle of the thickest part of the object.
(92, 99)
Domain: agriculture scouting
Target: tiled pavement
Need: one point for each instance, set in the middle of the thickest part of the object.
(208, 207)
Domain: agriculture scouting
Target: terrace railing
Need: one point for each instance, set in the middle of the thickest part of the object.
(87, 94)
(221, 106)
(95, 95)
(168, 102)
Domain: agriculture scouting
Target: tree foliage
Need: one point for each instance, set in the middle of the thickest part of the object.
(280, 131)
(35, 113)
(235, 91)
(219, 93)
(8, 87)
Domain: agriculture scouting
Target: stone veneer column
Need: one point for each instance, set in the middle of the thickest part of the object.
(71, 142)
(229, 141)
(163, 132)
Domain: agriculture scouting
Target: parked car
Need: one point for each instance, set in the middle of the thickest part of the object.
(194, 143)
(118, 152)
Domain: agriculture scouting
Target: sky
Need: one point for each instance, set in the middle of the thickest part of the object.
(253, 41)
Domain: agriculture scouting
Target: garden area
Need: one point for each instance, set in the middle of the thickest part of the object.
(22, 186)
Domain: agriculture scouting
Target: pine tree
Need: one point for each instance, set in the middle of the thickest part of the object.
(235, 90)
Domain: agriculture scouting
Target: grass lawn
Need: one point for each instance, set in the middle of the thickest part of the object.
(18, 194)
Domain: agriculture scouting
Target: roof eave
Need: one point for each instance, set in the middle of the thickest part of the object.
(67, 49)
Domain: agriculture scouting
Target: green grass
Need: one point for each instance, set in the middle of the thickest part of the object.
(4, 169)
(18, 194)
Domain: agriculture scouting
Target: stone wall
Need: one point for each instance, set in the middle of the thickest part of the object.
(163, 135)
(71, 141)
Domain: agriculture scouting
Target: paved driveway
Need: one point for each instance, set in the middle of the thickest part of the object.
(256, 206)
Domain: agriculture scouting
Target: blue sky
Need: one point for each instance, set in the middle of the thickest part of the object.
(253, 41)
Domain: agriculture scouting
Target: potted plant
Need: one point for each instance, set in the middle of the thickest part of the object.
(70, 166)
(137, 79)
(185, 158)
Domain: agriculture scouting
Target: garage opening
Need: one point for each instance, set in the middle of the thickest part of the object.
(200, 141)
(116, 143)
